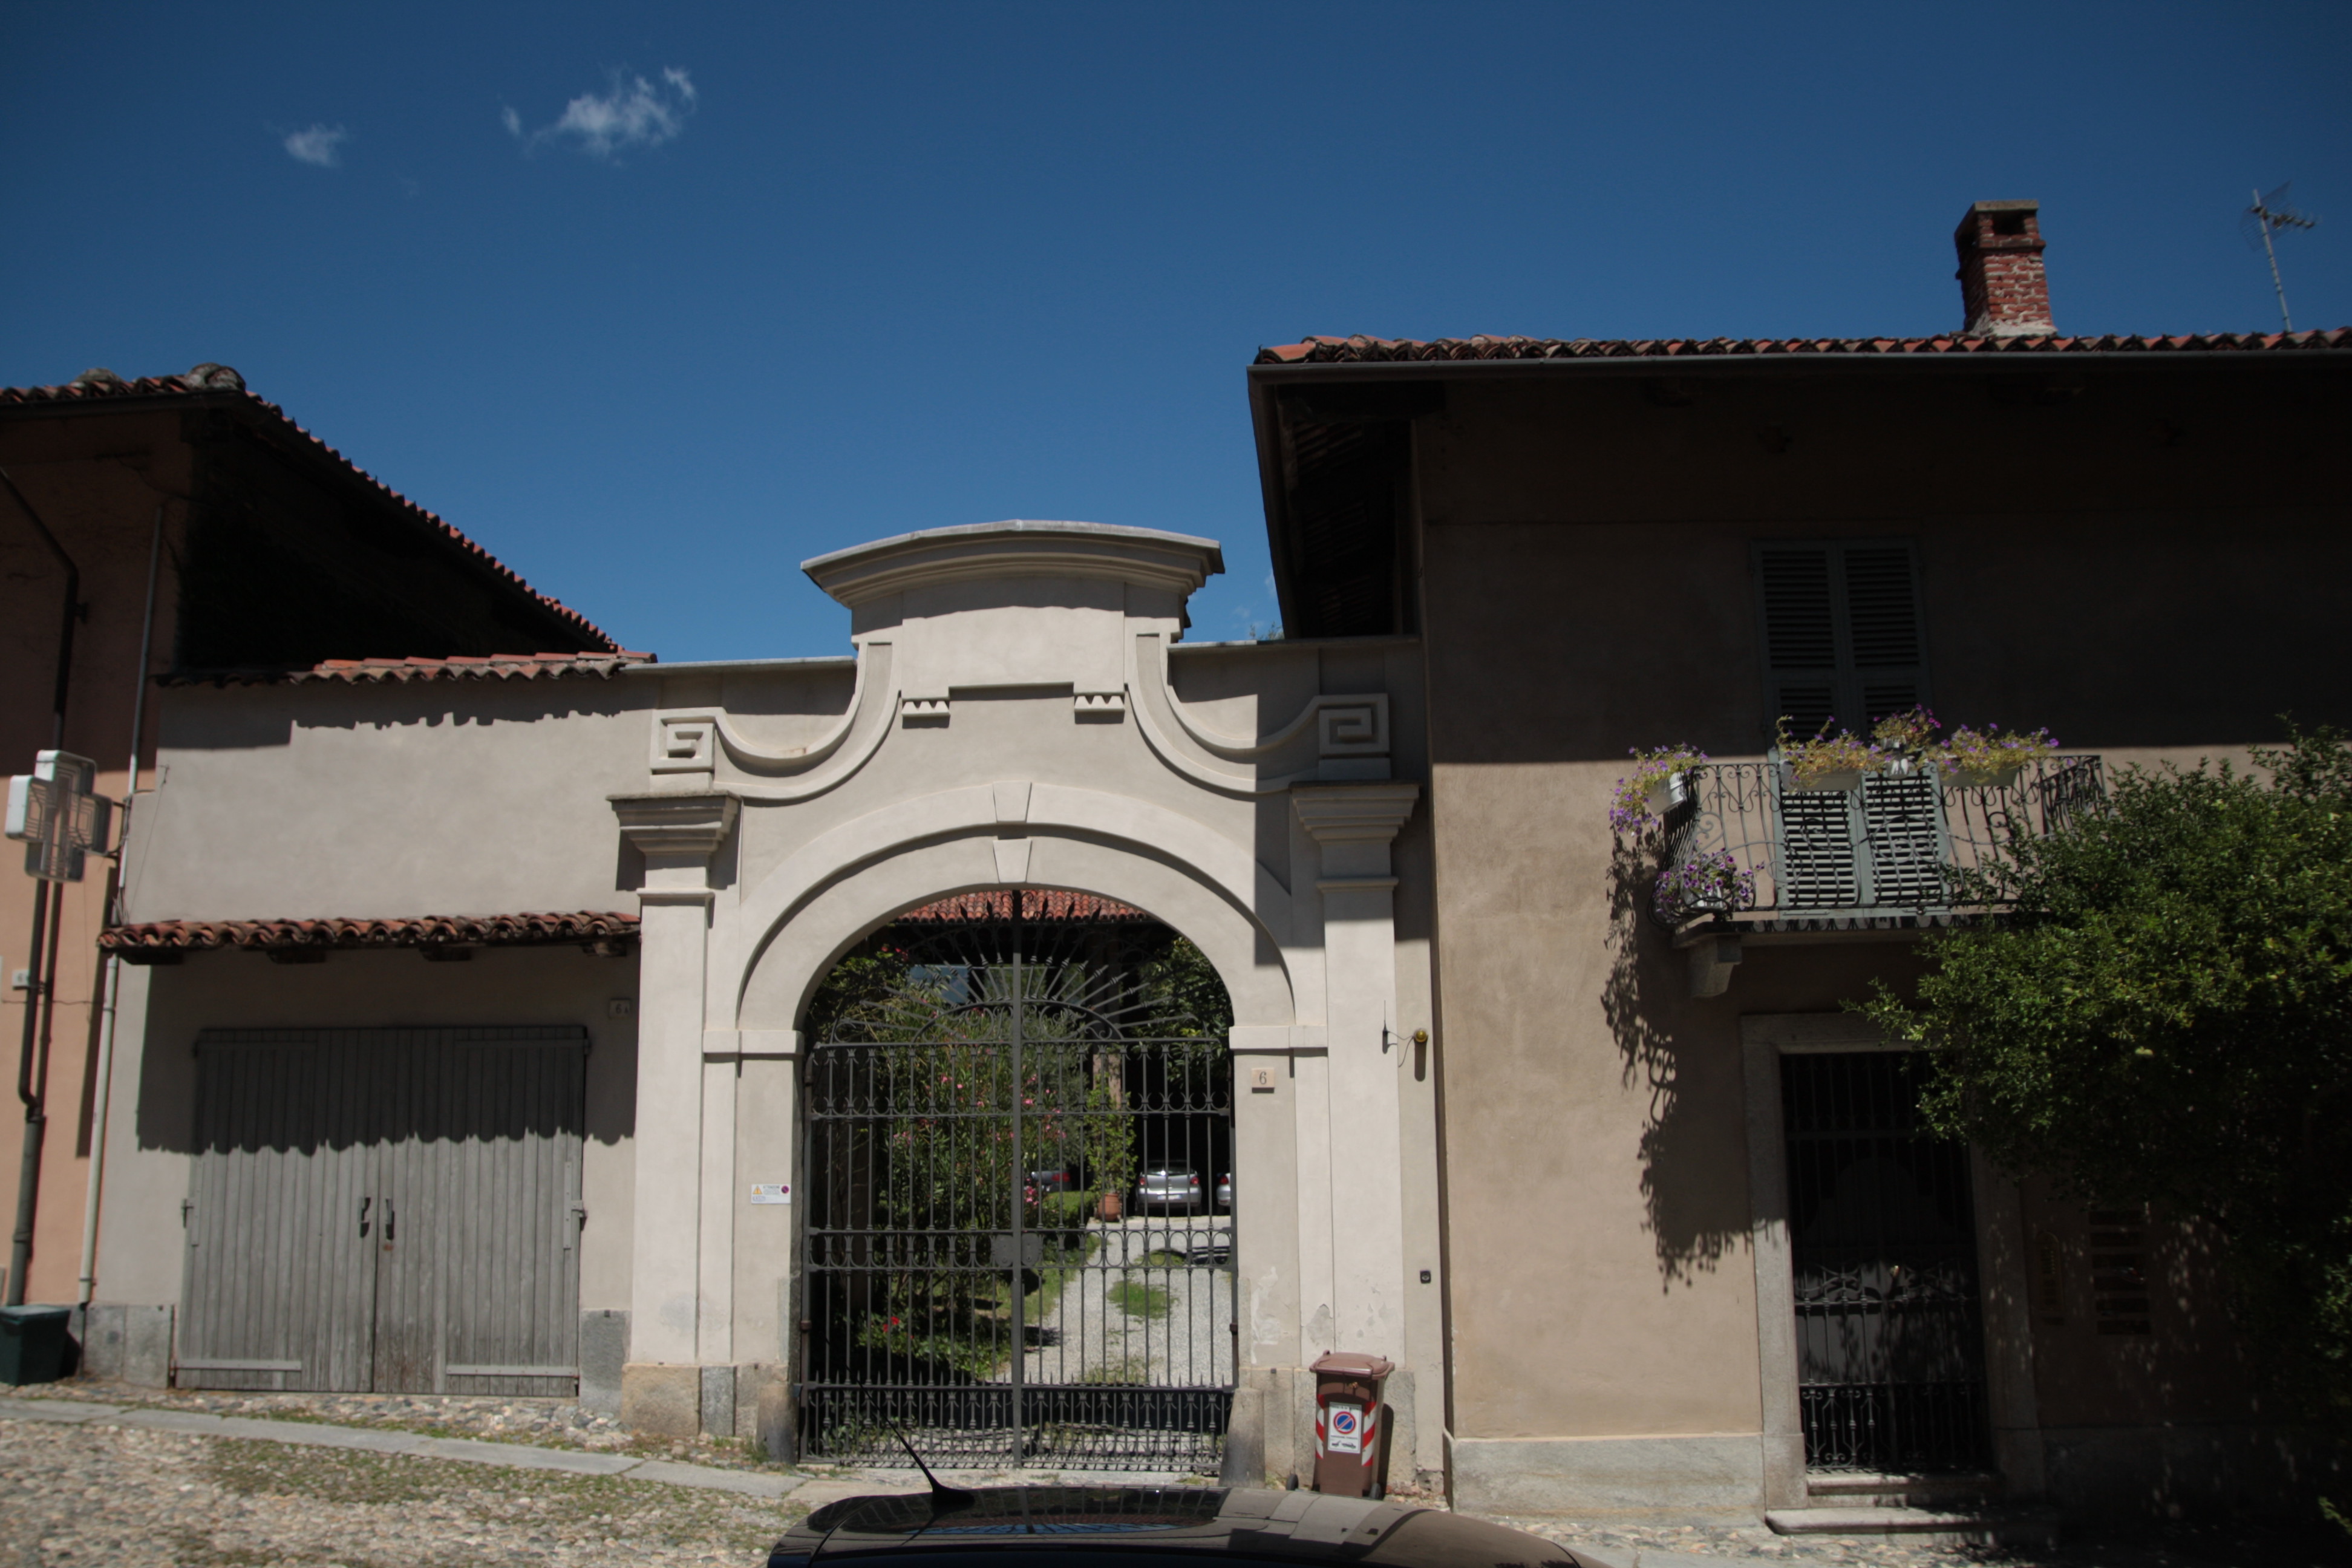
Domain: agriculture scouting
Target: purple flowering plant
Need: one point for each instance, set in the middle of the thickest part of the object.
(1910, 734)
(1629, 813)
(1712, 883)
(1812, 760)
(1992, 753)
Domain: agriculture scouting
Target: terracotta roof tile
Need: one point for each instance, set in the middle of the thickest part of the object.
(165, 939)
(1036, 904)
(461, 667)
(1387, 351)
(104, 387)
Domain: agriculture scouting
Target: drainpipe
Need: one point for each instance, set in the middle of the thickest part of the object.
(87, 1285)
(41, 971)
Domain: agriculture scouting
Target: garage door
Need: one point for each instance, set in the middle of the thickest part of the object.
(395, 1210)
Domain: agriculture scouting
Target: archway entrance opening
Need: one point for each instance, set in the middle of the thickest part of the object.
(1018, 1238)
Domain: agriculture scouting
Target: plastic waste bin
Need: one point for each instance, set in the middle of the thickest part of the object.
(1351, 1438)
(33, 1343)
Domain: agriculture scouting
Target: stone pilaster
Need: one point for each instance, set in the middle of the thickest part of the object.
(668, 1263)
(1353, 825)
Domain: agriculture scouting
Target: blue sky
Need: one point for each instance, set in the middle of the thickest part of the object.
(655, 302)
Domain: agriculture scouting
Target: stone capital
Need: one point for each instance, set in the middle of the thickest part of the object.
(676, 825)
(1354, 812)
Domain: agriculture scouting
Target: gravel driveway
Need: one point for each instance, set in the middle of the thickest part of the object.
(1172, 1327)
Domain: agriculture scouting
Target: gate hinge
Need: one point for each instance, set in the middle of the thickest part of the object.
(188, 1208)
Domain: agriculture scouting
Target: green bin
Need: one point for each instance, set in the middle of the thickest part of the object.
(33, 1343)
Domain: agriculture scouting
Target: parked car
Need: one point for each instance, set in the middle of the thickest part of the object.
(1225, 1191)
(1059, 1181)
(1145, 1526)
(1169, 1187)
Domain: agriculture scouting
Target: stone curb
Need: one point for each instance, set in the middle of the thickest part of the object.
(510, 1456)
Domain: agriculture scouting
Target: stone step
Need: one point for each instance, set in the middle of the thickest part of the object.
(1944, 1526)
(1857, 1488)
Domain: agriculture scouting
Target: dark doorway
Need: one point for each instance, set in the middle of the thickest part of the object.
(1890, 1337)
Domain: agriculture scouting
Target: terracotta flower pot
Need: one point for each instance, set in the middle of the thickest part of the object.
(1108, 1205)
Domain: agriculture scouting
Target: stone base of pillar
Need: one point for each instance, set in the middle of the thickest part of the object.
(661, 1399)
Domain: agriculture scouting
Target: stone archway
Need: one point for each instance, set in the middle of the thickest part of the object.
(1019, 717)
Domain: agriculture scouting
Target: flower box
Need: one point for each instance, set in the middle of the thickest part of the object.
(1662, 795)
(1838, 780)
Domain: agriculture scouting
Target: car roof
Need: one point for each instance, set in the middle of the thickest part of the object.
(1185, 1522)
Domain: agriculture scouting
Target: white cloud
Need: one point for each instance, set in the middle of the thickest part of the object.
(636, 113)
(319, 145)
(512, 121)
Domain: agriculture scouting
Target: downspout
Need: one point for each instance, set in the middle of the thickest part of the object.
(40, 974)
(87, 1285)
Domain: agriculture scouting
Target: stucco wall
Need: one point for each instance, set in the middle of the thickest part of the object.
(1587, 590)
(98, 484)
(443, 797)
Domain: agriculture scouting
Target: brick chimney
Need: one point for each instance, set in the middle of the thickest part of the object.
(2001, 284)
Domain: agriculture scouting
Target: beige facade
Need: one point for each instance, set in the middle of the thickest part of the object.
(1018, 712)
(1575, 545)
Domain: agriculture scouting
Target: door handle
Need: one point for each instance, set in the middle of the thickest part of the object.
(390, 1220)
(364, 1214)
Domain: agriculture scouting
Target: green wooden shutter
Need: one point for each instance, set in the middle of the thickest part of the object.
(1883, 657)
(1801, 643)
(1842, 632)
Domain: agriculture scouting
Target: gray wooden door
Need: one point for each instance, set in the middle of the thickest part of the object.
(386, 1209)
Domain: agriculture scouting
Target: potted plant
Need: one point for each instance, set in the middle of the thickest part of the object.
(1906, 740)
(1663, 777)
(1704, 884)
(1826, 761)
(1109, 1142)
(1991, 758)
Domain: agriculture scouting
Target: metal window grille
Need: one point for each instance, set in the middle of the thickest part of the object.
(1890, 1337)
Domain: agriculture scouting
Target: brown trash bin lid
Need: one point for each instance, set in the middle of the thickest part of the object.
(1350, 1363)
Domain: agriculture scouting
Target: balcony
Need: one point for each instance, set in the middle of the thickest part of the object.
(1826, 865)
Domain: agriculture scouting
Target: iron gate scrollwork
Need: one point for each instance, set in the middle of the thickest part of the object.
(1017, 1243)
(1890, 1337)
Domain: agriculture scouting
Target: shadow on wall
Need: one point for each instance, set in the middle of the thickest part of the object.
(1694, 1214)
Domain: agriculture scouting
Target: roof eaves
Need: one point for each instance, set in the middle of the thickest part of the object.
(163, 940)
(461, 667)
(220, 385)
(1363, 350)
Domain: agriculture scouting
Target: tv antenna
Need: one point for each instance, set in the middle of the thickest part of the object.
(2269, 214)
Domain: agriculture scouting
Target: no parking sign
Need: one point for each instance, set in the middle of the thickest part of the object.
(1348, 1437)
(1345, 1430)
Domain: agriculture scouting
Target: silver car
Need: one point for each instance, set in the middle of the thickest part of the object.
(1169, 1187)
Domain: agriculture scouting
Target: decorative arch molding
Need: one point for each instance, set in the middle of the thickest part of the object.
(1207, 886)
(785, 970)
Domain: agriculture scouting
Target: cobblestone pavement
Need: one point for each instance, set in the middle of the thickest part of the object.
(1632, 1546)
(548, 1423)
(73, 1495)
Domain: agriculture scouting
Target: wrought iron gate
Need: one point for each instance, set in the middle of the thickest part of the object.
(1017, 1239)
(1890, 1340)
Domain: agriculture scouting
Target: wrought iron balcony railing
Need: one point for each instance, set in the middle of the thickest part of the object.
(1747, 847)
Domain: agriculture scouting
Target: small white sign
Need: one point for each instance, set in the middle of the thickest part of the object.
(771, 1191)
(1344, 1430)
